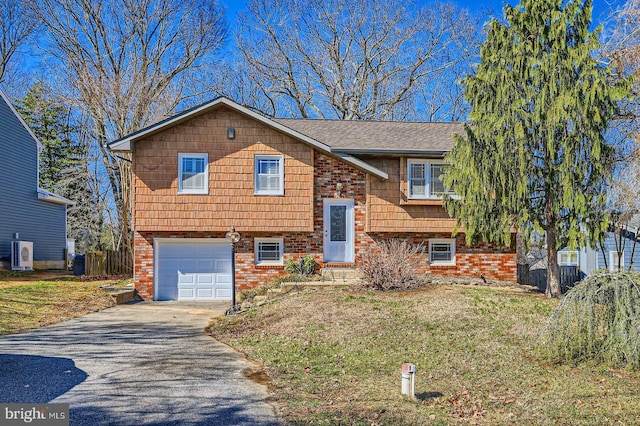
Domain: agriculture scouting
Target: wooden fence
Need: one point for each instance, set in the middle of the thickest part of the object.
(108, 262)
(569, 275)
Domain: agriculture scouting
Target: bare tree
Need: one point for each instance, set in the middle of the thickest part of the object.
(16, 26)
(622, 49)
(348, 59)
(128, 63)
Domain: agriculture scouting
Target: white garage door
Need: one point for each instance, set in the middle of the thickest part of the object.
(192, 269)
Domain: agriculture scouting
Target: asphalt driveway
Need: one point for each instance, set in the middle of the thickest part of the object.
(149, 363)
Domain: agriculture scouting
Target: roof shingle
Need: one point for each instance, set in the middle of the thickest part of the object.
(380, 136)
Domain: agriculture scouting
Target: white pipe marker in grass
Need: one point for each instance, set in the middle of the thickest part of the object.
(409, 380)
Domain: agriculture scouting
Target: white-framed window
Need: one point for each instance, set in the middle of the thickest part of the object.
(568, 258)
(613, 261)
(193, 173)
(442, 252)
(269, 175)
(424, 179)
(269, 251)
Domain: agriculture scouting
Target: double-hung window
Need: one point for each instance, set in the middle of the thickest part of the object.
(425, 179)
(442, 252)
(193, 172)
(269, 175)
(568, 258)
(269, 251)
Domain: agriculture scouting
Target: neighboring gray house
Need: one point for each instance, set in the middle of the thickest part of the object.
(589, 259)
(27, 213)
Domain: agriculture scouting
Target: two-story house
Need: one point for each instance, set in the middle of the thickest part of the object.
(330, 189)
(28, 214)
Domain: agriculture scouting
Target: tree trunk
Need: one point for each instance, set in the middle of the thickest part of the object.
(553, 270)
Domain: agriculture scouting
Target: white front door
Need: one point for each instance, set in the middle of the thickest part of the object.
(338, 231)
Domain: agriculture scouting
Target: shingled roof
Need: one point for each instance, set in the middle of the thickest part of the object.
(378, 137)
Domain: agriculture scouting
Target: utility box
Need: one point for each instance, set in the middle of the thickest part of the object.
(409, 380)
(21, 255)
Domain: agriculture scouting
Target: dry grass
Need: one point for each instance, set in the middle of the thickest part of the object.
(334, 357)
(34, 300)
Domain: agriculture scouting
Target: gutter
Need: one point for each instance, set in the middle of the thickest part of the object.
(45, 195)
(382, 151)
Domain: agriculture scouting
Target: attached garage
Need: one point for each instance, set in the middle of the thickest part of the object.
(192, 269)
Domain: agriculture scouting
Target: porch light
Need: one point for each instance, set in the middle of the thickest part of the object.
(233, 237)
(231, 133)
(339, 187)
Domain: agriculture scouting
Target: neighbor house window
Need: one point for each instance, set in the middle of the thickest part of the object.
(424, 178)
(269, 175)
(616, 263)
(193, 172)
(269, 251)
(568, 258)
(442, 252)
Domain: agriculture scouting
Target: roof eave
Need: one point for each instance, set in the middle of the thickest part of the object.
(50, 197)
(127, 143)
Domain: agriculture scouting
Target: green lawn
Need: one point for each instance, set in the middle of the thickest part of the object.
(27, 302)
(334, 357)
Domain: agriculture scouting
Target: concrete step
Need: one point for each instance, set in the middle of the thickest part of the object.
(301, 285)
(272, 293)
(340, 274)
(123, 296)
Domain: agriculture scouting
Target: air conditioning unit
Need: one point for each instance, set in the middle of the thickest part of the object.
(21, 255)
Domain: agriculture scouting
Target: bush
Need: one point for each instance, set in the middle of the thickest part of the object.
(392, 266)
(598, 320)
(305, 267)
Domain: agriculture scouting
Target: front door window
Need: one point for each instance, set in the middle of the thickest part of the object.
(338, 231)
(338, 223)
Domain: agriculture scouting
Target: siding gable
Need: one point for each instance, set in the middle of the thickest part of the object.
(231, 199)
(34, 220)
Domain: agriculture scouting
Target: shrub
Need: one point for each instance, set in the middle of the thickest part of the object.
(392, 266)
(305, 266)
(598, 320)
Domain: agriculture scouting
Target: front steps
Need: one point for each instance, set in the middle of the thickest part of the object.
(328, 278)
(345, 275)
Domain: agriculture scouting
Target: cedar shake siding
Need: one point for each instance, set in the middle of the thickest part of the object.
(231, 200)
(389, 210)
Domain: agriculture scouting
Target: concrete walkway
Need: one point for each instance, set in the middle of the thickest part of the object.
(149, 363)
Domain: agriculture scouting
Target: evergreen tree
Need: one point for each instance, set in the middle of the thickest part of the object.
(65, 163)
(534, 156)
(48, 119)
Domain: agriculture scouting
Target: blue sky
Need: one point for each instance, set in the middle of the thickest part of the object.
(601, 7)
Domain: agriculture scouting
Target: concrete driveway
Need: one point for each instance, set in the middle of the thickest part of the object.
(149, 363)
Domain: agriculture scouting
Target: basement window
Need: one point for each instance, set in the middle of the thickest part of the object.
(269, 251)
(442, 252)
